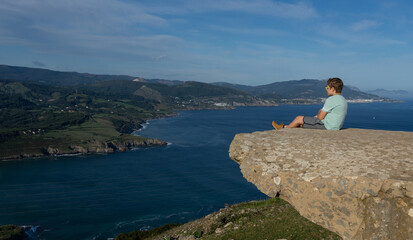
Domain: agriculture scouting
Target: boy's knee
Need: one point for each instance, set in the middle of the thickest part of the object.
(300, 119)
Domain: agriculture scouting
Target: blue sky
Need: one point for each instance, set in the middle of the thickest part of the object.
(366, 43)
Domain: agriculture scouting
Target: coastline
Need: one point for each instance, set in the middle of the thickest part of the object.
(122, 144)
(119, 144)
(110, 145)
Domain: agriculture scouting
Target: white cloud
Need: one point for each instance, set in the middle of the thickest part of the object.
(160, 58)
(300, 10)
(249, 31)
(349, 36)
(94, 15)
(108, 27)
(81, 26)
(267, 7)
(363, 25)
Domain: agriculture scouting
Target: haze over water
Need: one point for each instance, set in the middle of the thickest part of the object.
(99, 196)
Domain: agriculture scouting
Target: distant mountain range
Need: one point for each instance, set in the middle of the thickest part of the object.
(304, 89)
(394, 94)
(50, 77)
(294, 91)
(58, 78)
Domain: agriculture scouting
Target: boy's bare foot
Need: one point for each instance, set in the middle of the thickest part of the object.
(277, 126)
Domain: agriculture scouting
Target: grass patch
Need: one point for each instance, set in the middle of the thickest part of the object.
(96, 129)
(269, 219)
(92, 134)
(11, 232)
(93, 130)
(265, 219)
(138, 235)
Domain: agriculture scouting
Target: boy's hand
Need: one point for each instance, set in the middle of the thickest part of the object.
(321, 115)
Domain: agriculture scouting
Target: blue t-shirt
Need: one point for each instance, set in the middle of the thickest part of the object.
(336, 109)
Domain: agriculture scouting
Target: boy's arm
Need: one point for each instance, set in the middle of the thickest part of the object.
(321, 114)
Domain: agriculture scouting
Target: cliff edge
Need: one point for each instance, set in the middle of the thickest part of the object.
(355, 182)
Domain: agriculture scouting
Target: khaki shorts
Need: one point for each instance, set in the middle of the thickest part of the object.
(312, 122)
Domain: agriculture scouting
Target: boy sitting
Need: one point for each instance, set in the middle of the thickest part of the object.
(330, 117)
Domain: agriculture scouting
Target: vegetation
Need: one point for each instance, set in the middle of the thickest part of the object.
(266, 219)
(53, 77)
(37, 116)
(38, 119)
(138, 235)
(11, 232)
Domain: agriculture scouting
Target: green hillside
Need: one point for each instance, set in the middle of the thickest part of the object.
(37, 117)
(188, 94)
(294, 89)
(54, 77)
(187, 89)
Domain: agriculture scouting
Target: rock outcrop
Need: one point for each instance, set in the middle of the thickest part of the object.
(118, 144)
(12, 232)
(355, 182)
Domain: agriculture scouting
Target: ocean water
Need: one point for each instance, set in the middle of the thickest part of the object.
(100, 196)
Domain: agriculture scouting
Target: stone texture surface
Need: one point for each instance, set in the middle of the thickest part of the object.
(355, 182)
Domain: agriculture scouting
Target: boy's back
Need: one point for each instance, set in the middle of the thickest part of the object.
(336, 109)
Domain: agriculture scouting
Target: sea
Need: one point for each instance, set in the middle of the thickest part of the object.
(99, 196)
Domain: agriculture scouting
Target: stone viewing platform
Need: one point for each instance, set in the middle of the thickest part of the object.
(355, 182)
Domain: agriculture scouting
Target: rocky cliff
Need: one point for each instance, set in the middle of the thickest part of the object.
(357, 183)
(119, 144)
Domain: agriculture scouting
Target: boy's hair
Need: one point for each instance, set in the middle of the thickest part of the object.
(336, 83)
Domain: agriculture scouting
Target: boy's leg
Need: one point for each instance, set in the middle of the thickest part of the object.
(297, 122)
(313, 123)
